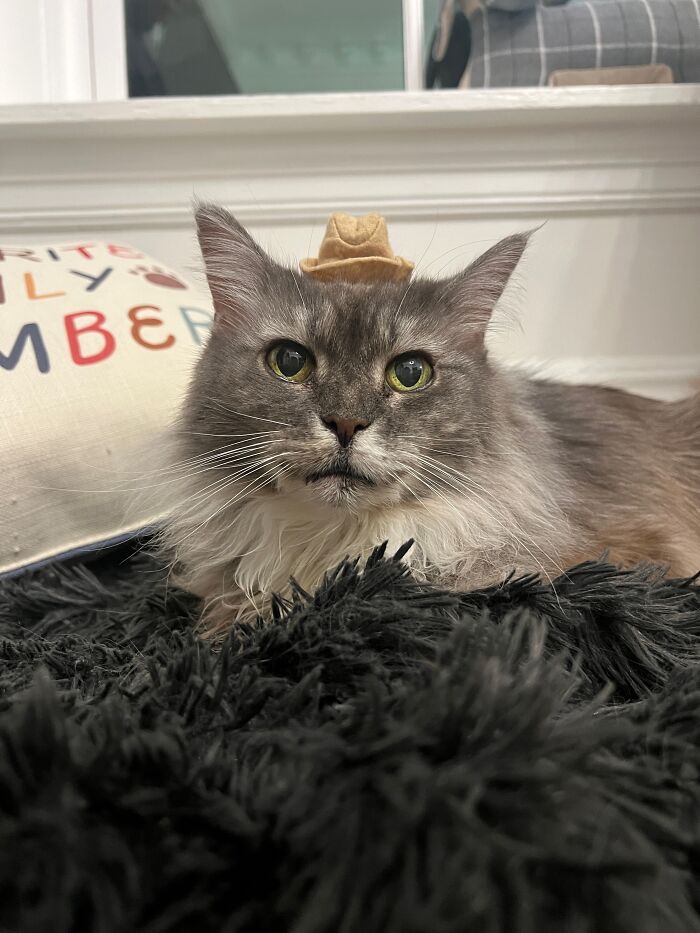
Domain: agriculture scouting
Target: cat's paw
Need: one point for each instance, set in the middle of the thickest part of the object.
(225, 611)
(157, 276)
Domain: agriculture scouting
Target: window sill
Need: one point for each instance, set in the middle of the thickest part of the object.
(280, 114)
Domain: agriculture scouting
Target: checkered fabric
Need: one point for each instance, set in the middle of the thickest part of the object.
(522, 49)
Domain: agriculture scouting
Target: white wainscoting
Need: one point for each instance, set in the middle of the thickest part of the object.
(609, 289)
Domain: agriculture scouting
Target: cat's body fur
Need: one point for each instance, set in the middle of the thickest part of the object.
(488, 471)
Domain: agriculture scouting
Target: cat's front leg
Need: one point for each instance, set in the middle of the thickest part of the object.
(222, 612)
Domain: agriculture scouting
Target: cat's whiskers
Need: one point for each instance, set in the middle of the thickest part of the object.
(449, 453)
(416, 268)
(490, 494)
(296, 285)
(461, 483)
(419, 264)
(430, 482)
(249, 467)
(179, 468)
(234, 445)
(228, 461)
(514, 539)
(223, 460)
(447, 440)
(466, 484)
(246, 466)
(431, 486)
(220, 453)
(243, 414)
(138, 487)
(414, 277)
(208, 434)
(234, 470)
(176, 466)
(236, 448)
(255, 485)
(250, 433)
(398, 479)
(461, 247)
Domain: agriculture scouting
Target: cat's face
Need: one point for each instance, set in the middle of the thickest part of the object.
(355, 395)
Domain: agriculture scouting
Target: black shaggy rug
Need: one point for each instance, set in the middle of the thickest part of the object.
(381, 757)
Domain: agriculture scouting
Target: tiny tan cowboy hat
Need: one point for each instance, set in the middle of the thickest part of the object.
(356, 249)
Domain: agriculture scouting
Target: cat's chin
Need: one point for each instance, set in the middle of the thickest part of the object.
(356, 493)
(340, 490)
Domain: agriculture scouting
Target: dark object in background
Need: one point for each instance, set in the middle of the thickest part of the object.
(449, 49)
(185, 59)
(381, 758)
(143, 75)
(521, 43)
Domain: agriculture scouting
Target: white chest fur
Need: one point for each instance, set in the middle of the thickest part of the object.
(240, 558)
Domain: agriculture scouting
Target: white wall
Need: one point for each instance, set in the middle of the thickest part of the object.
(45, 51)
(55, 51)
(610, 286)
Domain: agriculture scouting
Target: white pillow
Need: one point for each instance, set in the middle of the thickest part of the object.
(97, 342)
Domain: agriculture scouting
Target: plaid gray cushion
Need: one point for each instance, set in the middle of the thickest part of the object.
(522, 49)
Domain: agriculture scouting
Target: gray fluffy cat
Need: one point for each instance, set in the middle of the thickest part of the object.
(324, 419)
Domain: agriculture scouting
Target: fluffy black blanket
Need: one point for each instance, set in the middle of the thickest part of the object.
(382, 757)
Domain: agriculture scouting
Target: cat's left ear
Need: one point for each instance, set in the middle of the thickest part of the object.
(472, 295)
(236, 266)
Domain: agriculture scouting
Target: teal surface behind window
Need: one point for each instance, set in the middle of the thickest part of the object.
(263, 46)
(310, 45)
(431, 14)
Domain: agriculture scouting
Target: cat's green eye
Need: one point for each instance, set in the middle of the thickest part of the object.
(409, 372)
(290, 361)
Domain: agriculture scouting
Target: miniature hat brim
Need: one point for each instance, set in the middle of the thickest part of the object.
(358, 269)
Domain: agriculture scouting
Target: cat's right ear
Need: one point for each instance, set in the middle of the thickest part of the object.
(473, 294)
(234, 263)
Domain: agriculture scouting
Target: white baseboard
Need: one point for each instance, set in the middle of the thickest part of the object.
(663, 377)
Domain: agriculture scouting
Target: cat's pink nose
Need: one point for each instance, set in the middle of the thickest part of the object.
(344, 428)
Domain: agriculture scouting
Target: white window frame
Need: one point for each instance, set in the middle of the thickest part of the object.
(108, 50)
(74, 51)
(61, 51)
(413, 44)
(45, 49)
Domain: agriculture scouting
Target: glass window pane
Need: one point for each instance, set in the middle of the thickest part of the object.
(431, 14)
(447, 43)
(186, 47)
